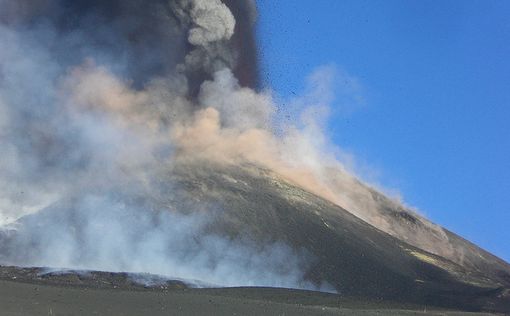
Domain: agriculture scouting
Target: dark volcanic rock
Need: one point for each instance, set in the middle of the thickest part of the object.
(89, 279)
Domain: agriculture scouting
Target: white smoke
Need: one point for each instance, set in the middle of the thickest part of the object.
(108, 235)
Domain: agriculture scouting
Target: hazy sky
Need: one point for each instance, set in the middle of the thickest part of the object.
(433, 78)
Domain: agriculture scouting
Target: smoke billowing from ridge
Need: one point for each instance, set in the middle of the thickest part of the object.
(97, 95)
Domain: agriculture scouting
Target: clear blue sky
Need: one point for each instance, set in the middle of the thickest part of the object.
(436, 79)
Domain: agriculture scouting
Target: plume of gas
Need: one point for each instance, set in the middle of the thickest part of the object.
(234, 125)
(103, 233)
(119, 133)
(212, 25)
(237, 124)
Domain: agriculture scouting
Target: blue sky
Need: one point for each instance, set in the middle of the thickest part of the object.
(435, 77)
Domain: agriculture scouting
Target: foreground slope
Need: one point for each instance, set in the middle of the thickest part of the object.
(35, 299)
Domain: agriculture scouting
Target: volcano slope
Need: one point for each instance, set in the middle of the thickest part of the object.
(341, 252)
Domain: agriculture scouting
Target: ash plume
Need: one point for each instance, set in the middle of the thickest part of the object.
(97, 98)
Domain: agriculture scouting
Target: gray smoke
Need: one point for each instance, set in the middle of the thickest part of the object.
(211, 25)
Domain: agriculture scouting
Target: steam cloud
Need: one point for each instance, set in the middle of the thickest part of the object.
(97, 95)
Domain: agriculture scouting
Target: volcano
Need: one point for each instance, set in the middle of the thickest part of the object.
(141, 168)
